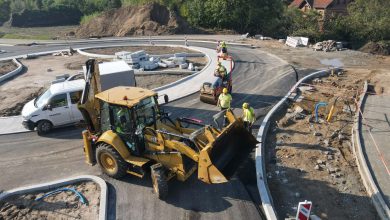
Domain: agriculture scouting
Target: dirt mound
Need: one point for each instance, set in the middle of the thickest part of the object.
(150, 19)
(380, 48)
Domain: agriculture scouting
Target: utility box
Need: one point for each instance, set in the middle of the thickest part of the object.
(117, 73)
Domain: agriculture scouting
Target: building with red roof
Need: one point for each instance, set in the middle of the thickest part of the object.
(327, 8)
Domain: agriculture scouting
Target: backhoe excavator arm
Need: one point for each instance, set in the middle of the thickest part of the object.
(89, 106)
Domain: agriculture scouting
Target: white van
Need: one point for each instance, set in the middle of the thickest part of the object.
(55, 107)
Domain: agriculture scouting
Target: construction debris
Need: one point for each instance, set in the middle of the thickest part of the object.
(328, 45)
(297, 41)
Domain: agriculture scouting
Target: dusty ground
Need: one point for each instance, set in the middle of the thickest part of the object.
(64, 205)
(307, 58)
(314, 161)
(153, 50)
(6, 67)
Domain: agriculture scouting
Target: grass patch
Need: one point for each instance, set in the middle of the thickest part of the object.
(29, 37)
(86, 18)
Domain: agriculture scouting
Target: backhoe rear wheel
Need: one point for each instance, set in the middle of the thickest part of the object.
(159, 180)
(110, 161)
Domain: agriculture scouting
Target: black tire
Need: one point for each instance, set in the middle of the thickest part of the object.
(159, 181)
(44, 127)
(110, 161)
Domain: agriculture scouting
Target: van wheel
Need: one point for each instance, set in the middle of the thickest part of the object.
(110, 161)
(159, 180)
(44, 127)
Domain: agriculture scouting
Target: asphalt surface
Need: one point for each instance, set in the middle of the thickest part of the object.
(376, 122)
(258, 78)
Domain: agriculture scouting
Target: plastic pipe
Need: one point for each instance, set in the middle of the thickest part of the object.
(318, 105)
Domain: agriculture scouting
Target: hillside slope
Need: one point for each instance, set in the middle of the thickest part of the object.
(150, 19)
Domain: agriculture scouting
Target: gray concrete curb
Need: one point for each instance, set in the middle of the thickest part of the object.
(368, 182)
(261, 176)
(62, 182)
(13, 72)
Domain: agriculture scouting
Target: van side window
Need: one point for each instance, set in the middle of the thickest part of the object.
(59, 101)
(74, 97)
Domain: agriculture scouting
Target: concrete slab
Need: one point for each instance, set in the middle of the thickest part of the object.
(376, 149)
(10, 125)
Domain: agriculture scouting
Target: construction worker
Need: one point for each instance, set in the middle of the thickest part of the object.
(224, 101)
(248, 116)
(218, 46)
(220, 71)
(223, 47)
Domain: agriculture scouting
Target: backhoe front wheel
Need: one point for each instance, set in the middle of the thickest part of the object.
(159, 180)
(110, 161)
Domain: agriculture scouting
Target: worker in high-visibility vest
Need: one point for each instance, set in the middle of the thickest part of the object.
(248, 116)
(224, 101)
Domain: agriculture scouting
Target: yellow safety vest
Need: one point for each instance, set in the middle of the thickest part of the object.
(249, 115)
(224, 100)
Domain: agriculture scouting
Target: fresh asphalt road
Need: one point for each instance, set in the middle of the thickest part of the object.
(258, 78)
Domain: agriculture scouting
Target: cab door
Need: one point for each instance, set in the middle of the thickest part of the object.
(57, 110)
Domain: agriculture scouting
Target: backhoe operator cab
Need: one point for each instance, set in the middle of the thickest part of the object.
(128, 133)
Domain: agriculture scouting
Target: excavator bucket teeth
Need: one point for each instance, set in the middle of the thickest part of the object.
(228, 151)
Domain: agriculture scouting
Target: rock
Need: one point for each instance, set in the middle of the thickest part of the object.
(317, 133)
(331, 170)
(299, 116)
(289, 110)
(317, 80)
(337, 169)
(317, 167)
(338, 175)
(326, 143)
(320, 162)
(279, 142)
(326, 152)
(330, 157)
(341, 136)
(277, 172)
(344, 182)
(306, 88)
(298, 109)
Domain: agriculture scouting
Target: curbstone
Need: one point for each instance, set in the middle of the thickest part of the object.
(58, 183)
(368, 181)
(261, 176)
(13, 72)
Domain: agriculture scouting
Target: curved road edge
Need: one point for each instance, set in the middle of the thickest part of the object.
(62, 182)
(261, 176)
(369, 183)
(13, 72)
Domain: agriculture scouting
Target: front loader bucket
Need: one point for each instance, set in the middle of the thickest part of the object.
(220, 160)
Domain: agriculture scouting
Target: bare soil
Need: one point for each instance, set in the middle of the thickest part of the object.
(40, 72)
(149, 19)
(64, 205)
(152, 50)
(6, 67)
(309, 160)
(307, 58)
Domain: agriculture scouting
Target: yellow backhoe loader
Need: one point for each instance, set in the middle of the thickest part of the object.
(128, 133)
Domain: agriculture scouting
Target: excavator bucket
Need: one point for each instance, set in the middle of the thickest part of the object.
(223, 156)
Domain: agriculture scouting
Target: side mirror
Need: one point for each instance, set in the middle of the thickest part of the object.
(166, 98)
(48, 107)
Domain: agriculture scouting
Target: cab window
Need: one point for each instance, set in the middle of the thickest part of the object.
(59, 101)
(75, 97)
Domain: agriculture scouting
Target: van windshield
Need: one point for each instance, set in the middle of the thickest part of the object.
(42, 99)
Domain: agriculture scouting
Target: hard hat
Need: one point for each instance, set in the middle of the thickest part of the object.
(225, 90)
(223, 43)
(245, 105)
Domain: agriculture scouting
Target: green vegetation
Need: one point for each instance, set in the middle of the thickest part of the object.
(22, 36)
(367, 20)
(87, 18)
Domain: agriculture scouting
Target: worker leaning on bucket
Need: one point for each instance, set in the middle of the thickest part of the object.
(224, 101)
(248, 116)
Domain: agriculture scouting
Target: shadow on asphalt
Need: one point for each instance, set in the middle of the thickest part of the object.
(68, 133)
